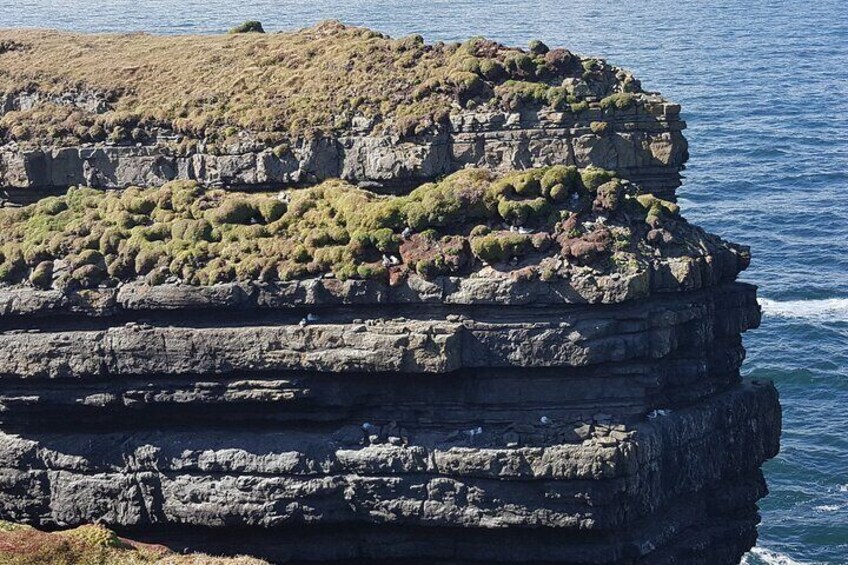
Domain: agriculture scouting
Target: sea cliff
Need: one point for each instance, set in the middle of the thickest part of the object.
(469, 324)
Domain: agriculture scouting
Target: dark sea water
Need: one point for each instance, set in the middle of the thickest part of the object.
(764, 87)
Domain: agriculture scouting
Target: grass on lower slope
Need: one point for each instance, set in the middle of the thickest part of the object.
(93, 545)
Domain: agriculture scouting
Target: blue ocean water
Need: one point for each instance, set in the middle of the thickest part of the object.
(764, 87)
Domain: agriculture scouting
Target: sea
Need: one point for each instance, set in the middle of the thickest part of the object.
(764, 90)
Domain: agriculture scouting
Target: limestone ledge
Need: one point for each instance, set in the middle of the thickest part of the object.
(643, 143)
(284, 478)
(391, 340)
(442, 405)
(488, 287)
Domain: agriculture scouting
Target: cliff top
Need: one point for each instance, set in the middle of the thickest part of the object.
(69, 88)
(541, 224)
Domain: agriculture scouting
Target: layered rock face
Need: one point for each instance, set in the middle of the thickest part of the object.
(647, 147)
(531, 367)
(391, 427)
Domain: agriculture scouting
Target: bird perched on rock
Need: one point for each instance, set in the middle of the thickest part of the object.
(406, 233)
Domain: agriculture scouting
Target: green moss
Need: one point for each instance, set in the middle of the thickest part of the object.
(250, 26)
(216, 236)
(513, 94)
(51, 206)
(271, 210)
(609, 195)
(559, 181)
(371, 271)
(492, 70)
(578, 107)
(233, 212)
(657, 205)
(620, 100)
(88, 276)
(480, 230)
(42, 275)
(593, 177)
(527, 185)
(148, 259)
(519, 212)
(590, 65)
(538, 48)
(599, 128)
(270, 88)
(496, 248)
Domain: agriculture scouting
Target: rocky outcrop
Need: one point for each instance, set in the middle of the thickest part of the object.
(541, 366)
(623, 430)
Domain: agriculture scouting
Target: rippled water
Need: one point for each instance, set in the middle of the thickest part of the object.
(764, 86)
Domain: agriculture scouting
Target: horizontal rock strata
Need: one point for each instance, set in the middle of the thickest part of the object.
(466, 425)
(647, 147)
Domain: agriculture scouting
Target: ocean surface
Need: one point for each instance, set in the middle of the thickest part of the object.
(764, 88)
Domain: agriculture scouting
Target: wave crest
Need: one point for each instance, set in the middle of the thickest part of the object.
(825, 310)
(759, 555)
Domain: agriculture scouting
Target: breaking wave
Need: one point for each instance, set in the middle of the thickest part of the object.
(762, 556)
(824, 310)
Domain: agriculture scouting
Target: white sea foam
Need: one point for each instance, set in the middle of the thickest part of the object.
(843, 488)
(827, 309)
(827, 508)
(761, 555)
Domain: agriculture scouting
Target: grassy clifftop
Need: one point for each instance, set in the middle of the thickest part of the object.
(71, 88)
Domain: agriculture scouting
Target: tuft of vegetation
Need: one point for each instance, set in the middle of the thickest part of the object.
(599, 128)
(496, 248)
(250, 26)
(538, 48)
(619, 100)
(269, 88)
